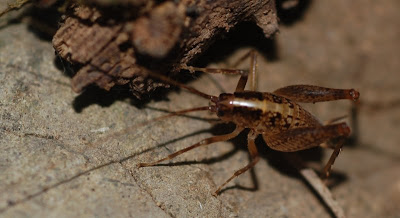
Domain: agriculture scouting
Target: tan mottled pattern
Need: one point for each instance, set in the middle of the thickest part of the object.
(266, 113)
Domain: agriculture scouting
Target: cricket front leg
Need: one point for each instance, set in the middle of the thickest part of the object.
(312, 94)
(254, 160)
(252, 54)
(244, 74)
(203, 142)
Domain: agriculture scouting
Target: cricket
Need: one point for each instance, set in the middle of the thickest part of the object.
(276, 116)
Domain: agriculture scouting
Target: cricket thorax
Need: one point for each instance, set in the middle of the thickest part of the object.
(264, 112)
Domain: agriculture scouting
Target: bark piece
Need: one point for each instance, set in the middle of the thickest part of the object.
(157, 34)
(116, 47)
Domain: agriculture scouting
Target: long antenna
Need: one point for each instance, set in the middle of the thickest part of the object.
(172, 82)
(171, 114)
(175, 113)
(122, 132)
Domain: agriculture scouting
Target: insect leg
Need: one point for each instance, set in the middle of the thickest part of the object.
(334, 155)
(203, 142)
(242, 81)
(253, 72)
(244, 73)
(305, 137)
(308, 137)
(214, 70)
(254, 159)
(175, 83)
(312, 94)
(330, 144)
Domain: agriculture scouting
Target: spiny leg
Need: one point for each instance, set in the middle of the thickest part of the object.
(305, 137)
(254, 159)
(312, 94)
(308, 137)
(334, 155)
(333, 120)
(244, 74)
(329, 144)
(175, 83)
(253, 72)
(203, 142)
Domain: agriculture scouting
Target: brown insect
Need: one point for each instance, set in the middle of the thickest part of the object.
(284, 124)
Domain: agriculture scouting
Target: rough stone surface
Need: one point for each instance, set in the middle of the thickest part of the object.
(60, 157)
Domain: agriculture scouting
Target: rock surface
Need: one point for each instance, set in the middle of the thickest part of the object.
(60, 157)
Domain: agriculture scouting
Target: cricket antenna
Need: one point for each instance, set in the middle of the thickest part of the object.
(171, 114)
(176, 113)
(190, 89)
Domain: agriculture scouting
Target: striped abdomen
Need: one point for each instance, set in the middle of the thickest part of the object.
(265, 113)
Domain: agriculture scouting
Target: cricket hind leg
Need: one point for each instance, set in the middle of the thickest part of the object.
(203, 142)
(244, 74)
(308, 137)
(334, 155)
(254, 160)
(329, 143)
(312, 94)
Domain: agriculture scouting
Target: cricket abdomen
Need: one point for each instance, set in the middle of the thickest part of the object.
(264, 112)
